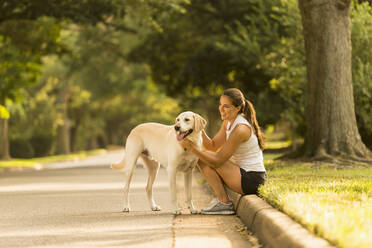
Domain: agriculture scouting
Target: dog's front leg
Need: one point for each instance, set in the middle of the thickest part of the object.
(172, 174)
(188, 192)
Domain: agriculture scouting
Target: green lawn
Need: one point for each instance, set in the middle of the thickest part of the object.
(37, 162)
(332, 202)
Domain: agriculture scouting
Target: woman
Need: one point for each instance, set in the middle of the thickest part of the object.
(240, 139)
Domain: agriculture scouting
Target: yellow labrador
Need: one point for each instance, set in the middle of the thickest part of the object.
(157, 144)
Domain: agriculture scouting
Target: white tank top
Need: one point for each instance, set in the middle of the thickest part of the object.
(248, 155)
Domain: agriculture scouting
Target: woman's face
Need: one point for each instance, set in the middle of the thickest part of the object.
(227, 110)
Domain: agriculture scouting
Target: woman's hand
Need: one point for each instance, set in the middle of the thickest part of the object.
(186, 143)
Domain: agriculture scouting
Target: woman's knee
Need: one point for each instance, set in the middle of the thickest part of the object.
(201, 164)
(204, 166)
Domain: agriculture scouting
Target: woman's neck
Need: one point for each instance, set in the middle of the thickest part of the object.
(232, 121)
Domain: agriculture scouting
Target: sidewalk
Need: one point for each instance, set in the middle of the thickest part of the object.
(273, 228)
(80, 206)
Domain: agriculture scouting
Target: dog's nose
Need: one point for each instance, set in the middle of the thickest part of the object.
(177, 128)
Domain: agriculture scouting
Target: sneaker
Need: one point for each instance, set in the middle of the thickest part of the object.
(218, 207)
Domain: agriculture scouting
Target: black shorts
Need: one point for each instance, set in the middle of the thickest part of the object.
(251, 180)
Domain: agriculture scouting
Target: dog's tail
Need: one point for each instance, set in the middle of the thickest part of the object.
(118, 165)
(133, 149)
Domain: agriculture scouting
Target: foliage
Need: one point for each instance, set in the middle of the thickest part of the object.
(38, 105)
(120, 94)
(362, 68)
(87, 11)
(286, 63)
(28, 33)
(21, 148)
(17, 70)
(331, 202)
(4, 112)
(195, 54)
(99, 113)
(39, 37)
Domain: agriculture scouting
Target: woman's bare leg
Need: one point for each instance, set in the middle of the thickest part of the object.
(231, 176)
(214, 180)
(228, 173)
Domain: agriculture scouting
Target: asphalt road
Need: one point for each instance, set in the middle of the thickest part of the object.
(79, 205)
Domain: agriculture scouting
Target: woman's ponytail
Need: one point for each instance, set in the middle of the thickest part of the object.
(250, 115)
(237, 98)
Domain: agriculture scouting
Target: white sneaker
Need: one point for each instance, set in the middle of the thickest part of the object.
(218, 207)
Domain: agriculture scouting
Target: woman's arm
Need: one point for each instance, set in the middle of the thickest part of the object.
(240, 134)
(218, 140)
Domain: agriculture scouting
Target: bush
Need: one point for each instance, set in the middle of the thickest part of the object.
(41, 144)
(21, 148)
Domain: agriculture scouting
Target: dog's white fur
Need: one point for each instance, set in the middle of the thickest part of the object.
(156, 144)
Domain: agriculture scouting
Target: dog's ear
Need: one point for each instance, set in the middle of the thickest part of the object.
(199, 122)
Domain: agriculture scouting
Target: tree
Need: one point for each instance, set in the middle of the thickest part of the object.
(39, 105)
(194, 56)
(17, 70)
(27, 34)
(4, 144)
(332, 132)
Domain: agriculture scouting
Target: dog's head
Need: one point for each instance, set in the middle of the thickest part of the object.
(188, 122)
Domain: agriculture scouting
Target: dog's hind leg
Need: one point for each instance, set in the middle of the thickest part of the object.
(152, 168)
(132, 152)
(128, 178)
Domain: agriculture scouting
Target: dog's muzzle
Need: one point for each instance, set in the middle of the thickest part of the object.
(181, 135)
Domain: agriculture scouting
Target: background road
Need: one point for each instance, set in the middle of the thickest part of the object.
(71, 206)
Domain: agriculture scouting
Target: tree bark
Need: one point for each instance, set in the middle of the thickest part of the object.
(332, 132)
(4, 140)
(294, 145)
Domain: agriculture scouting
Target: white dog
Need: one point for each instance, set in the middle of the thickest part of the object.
(157, 144)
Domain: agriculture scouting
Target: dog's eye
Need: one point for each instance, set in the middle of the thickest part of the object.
(177, 119)
(187, 119)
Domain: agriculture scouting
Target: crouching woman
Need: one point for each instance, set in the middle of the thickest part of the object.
(233, 157)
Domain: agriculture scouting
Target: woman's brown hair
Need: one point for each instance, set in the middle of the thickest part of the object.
(237, 98)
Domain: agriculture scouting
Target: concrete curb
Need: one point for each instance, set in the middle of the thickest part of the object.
(272, 227)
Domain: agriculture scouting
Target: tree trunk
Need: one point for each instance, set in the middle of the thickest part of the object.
(332, 132)
(63, 128)
(4, 141)
(294, 145)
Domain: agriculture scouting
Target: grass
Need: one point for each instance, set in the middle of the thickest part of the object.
(277, 144)
(332, 202)
(37, 162)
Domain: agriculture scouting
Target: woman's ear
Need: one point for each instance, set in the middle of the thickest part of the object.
(240, 109)
(199, 122)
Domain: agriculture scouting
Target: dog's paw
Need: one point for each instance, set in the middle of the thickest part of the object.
(195, 211)
(125, 210)
(177, 211)
(155, 208)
